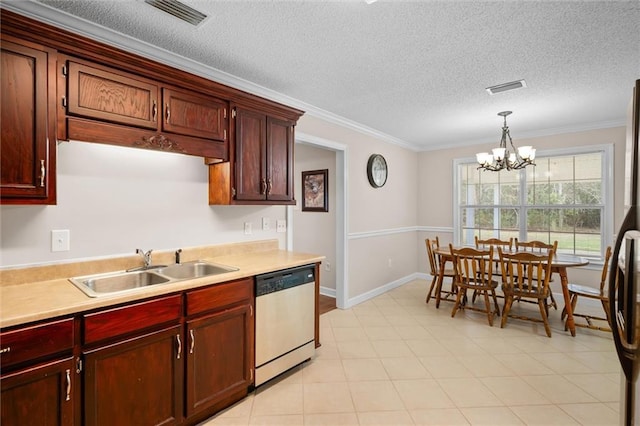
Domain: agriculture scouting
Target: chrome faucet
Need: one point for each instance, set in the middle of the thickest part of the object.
(178, 252)
(146, 257)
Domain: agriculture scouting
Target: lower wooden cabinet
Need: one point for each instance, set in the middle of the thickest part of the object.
(40, 395)
(136, 381)
(218, 357)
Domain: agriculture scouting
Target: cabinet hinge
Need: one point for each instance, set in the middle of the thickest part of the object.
(225, 113)
(64, 101)
(64, 70)
(233, 113)
(78, 365)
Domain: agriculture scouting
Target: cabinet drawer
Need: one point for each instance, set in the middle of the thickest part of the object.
(131, 318)
(37, 341)
(219, 296)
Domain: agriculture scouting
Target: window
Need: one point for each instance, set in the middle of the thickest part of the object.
(567, 196)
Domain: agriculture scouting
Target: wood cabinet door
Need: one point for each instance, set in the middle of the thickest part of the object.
(250, 154)
(40, 395)
(109, 95)
(219, 357)
(137, 381)
(190, 114)
(279, 160)
(27, 157)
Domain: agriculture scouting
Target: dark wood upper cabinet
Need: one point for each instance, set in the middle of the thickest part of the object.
(194, 115)
(28, 149)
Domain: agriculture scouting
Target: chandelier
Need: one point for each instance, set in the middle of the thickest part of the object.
(501, 158)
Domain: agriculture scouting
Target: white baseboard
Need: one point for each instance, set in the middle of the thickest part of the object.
(326, 291)
(382, 289)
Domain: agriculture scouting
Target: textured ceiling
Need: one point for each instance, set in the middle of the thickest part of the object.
(414, 71)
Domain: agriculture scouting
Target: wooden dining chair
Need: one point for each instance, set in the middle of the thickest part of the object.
(535, 246)
(494, 243)
(525, 276)
(475, 272)
(435, 264)
(601, 294)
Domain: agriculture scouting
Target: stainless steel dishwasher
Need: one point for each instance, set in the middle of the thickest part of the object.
(285, 323)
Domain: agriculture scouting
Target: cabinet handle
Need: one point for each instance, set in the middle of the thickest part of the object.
(193, 341)
(68, 385)
(263, 186)
(179, 345)
(43, 172)
(155, 111)
(269, 186)
(168, 113)
(5, 350)
(250, 310)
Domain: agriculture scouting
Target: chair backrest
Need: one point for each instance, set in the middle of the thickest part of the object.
(433, 259)
(474, 267)
(536, 246)
(605, 269)
(494, 243)
(526, 272)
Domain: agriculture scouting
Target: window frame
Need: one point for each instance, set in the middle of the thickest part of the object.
(607, 230)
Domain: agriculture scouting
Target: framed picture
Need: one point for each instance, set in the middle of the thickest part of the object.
(315, 191)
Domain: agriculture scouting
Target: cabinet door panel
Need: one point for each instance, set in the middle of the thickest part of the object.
(193, 115)
(219, 357)
(251, 181)
(279, 160)
(110, 96)
(39, 396)
(27, 160)
(137, 381)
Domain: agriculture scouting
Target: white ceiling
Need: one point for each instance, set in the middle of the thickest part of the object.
(414, 72)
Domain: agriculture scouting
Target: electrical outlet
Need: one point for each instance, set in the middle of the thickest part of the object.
(281, 226)
(265, 224)
(60, 240)
(247, 228)
(327, 266)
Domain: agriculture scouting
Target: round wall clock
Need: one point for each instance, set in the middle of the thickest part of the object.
(377, 170)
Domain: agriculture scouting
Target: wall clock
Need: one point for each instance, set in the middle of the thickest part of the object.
(377, 170)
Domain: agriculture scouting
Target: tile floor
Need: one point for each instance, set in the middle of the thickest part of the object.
(395, 360)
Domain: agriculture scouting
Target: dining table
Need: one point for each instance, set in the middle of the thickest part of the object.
(559, 266)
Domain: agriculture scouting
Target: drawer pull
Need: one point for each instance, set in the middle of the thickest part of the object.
(179, 345)
(43, 172)
(155, 111)
(5, 350)
(168, 113)
(68, 385)
(193, 341)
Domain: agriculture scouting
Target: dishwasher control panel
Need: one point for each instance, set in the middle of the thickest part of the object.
(282, 280)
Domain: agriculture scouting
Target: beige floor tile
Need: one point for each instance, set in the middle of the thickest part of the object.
(381, 333)
(427, 347)
(558, 390)
(362, 349)
(349, 334)
(412, 331)
(445, 366)
(226, 421)
(401, 320)
(439, 417)
(422, 394)
(496, 345)
(514, 391)
(597, 385)
(485, 366)
(327, 350)
(323, 370)
(290, 420)
(375, 396)
(277, 400)
(491, 416)
(391, 418)
(373, 320)
(562, 364)
(592, 414)
(524, 364)
(327, 398)
(599, 362)
(366, 308)
(391, 348)
(462, 346)
(348, 319)
(543, 415)
(393, 310)
(326, 334)
(240, 409)
(331, 419)
(405, 368)
(364, 369)
(469, 392)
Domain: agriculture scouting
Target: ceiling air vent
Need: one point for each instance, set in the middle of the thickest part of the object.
(512, 85)
(179, 10)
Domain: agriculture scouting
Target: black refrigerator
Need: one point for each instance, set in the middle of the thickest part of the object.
(624, 274)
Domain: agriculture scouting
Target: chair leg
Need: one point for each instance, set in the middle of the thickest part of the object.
(487, 304)
(543, 311)
(553, 300)
(433, 284)
(456, 305)
(495, 302)
(607, 314)
(508, 300)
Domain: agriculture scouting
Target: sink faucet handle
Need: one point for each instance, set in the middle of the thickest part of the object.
(178, 252)
(146, 256)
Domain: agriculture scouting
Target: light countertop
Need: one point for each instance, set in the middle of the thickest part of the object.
(24, 302)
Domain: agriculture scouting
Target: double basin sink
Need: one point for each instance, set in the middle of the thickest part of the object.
(125, 281)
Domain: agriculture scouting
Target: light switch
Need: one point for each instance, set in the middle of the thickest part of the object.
(265, 224)
(60, 240)
(247, 228)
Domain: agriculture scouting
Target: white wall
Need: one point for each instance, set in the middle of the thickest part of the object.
(114, 200)
(315, 232)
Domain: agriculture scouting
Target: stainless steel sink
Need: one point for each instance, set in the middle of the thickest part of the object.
(197, 269)
(126, 281)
